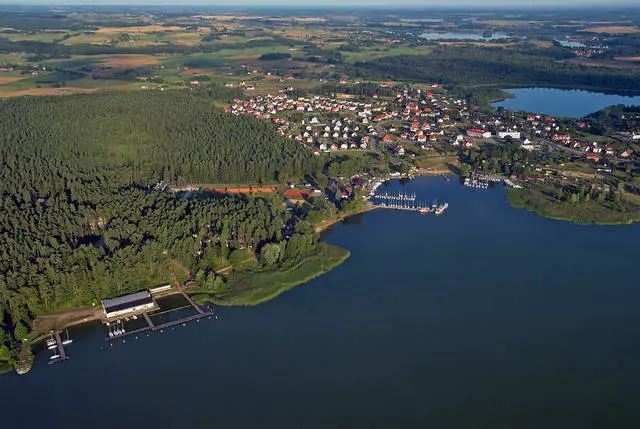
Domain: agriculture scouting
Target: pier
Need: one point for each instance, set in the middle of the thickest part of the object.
(61, 352)
(152, 327)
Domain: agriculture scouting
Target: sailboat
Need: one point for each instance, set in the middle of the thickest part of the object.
(68, 340)
(51, 343)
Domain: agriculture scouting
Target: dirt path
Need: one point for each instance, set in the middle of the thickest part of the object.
(62, 319)
(228, 268)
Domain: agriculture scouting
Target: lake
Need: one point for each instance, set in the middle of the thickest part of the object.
(462, 36)
(571, 44)
(562, 102)
(484, 317)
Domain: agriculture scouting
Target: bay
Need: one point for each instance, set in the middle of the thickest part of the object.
(483, 317)
(570, 103)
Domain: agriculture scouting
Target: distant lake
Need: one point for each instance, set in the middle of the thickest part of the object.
(568, 44)
(431, 20)
(462, 36)
(571, 103)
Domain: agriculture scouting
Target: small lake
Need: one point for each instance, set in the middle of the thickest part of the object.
(483, 317)
(562, 102)
(462, 36)
(427, 20)
(569, 44)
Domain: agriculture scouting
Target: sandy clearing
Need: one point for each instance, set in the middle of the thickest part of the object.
(9, 79)
(614, 29)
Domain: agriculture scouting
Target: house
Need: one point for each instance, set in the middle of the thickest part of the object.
(593, 156)
(625, 154)
(399, 150)
(478, 133)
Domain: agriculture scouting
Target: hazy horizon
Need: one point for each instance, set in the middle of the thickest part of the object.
(315, 4)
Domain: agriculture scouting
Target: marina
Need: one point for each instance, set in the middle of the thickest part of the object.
(407, 202)
(117, 330)
(60, 355)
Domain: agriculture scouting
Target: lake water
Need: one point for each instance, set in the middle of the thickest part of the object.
(562, 102)
(570, 44)
(462, 36)
(484, 317)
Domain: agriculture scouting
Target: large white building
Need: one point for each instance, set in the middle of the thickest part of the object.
(132, 303)
(515, 135)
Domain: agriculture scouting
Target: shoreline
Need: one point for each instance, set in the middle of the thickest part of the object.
(327, 224)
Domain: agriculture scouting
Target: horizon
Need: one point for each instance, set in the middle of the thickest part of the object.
(491, 5)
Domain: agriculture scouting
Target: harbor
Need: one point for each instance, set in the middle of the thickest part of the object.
(406, 202)
(143, 306)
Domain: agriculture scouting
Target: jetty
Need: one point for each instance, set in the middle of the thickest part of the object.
(60, 347)
(152, 327)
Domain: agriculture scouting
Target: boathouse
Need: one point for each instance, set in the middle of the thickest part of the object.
(127, 304)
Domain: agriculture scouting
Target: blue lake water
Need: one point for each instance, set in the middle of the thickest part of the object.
(570, 44)
(562, 102)
(484, 317)
(462, 36)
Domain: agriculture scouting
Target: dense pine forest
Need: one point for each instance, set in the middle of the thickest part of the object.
(465, 66)
(82, 219)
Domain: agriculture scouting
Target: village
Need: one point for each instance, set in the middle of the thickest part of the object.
(416, 119)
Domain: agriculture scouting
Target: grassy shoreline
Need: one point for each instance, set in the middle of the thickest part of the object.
(255, 287)
(583, 213)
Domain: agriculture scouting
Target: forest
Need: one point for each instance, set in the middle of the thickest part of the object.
(471, 66)
(82, 217)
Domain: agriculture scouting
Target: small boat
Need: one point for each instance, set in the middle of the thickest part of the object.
(442, 208)
(424, 211)
(134, 317)
(54, 357)
(68, 340)
(52, 346)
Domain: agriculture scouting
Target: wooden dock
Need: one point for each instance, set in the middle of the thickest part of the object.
(153, 327)
(61, 352)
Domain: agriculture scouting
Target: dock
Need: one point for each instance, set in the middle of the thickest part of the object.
(152, 327)
(61, 352)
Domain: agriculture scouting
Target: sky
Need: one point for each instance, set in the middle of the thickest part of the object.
(334, 3)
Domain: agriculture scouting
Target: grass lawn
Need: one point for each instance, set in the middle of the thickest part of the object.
(253, 287)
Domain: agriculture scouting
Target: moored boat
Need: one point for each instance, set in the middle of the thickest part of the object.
(441, 208)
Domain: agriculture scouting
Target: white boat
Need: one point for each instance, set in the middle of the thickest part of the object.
(134, 317)
(54, 357)
(442, 208)
(51, 346)
(110, 334)
(68, 340)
